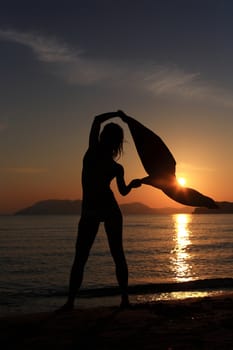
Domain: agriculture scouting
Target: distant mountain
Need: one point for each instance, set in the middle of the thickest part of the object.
(224, 208)
(52, 207)
(170, 211)
(73, 207)
(137, 208)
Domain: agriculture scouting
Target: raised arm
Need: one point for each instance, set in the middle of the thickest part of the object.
(95, 128)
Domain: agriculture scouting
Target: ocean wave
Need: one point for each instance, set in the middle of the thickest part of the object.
(206, 284)
(149, 288)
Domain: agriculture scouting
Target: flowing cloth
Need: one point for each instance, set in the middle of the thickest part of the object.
(160, 165)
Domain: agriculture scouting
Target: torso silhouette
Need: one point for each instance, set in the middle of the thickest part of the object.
(99, 169)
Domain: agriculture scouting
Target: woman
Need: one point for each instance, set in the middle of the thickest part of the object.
(99, 204)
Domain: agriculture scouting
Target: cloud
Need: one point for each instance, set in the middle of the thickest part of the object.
(172, 81)
(166, 80)
(71, 65)
(45, 49)
(74, 68)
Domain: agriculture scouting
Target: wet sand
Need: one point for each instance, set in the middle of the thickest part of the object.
(200, 323)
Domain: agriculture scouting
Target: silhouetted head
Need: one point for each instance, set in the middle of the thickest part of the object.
(111, 139)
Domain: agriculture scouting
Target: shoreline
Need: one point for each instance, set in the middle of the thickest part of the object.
(163, 287)
(34, 301)
(193, 323)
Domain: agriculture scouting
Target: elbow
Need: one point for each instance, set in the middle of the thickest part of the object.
(97, 119)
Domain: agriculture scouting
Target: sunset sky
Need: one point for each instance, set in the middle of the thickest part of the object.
(166, 63)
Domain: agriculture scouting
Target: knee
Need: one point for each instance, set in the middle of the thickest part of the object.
(80, 260)
(119, 258)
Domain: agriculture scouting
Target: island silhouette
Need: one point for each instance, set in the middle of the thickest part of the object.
(73, 207)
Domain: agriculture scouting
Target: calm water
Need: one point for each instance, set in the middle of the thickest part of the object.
(36, 254)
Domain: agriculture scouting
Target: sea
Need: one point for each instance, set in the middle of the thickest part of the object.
(169, 257)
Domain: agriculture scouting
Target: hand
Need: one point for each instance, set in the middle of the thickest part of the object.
(135, 183)
(122, 115)
(105, 116)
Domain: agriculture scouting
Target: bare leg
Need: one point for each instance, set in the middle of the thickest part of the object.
(87, 231)
(113, 227)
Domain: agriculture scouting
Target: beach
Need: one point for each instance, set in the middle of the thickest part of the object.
(194, 323)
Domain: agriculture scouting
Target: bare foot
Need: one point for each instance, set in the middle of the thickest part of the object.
(125, 304)
(67, 307)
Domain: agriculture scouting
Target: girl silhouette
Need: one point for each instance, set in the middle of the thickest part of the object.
(99, 204)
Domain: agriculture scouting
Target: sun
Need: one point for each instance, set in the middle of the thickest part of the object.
(182, 181)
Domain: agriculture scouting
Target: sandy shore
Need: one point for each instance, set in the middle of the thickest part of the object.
(202, 323)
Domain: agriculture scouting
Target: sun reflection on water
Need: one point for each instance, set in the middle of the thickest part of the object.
(178, 295)
(180, 256)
